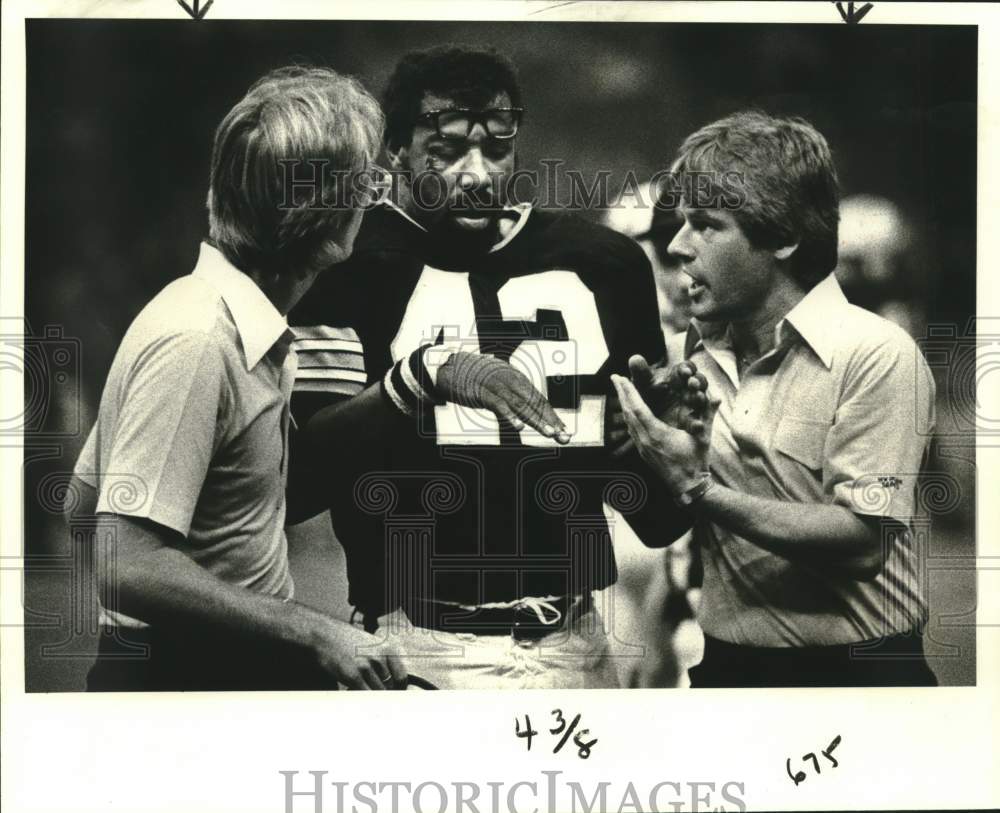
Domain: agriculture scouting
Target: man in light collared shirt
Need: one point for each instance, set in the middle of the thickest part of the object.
(186, 465)
(803, 487)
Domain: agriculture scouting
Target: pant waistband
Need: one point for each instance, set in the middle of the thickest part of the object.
(905, 644)
(527, 618)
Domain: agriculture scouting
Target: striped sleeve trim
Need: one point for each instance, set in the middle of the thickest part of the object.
(330, 359)
(399, 386)
(330, 345)
(408, 383)
(331, 374)
(390, 389)
(325, 332)
(410, 378)
(422, 379)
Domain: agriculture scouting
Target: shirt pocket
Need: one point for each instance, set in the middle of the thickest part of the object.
(802, 439)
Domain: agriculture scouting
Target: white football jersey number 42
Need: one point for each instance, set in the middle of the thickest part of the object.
(442, 302)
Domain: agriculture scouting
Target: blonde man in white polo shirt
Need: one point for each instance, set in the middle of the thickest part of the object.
(186, 465)
(804, 486)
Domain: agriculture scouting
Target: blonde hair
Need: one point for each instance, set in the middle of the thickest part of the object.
(295, 116)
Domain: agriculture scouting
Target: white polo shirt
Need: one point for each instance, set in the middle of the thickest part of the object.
(192, 431)
(839, 413)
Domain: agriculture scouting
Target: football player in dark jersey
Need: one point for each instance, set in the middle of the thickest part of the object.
(472, 538)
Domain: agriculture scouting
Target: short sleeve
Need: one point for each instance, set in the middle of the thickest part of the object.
(876, 446)
(330, 360)
(330, 354)
(166, 431)
(86, 464)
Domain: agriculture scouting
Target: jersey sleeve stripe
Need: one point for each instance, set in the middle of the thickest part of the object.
(424, 384)
(411, 381)
(331, 345)
(330, 373)
(391, 390)
(335, 387)
(399, 386)
(344, 361)
(324, 332)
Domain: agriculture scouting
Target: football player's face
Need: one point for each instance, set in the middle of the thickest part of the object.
(728, 278)
(459, 183)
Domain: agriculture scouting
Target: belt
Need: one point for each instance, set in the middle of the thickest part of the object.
(898, 645)
(525, 619)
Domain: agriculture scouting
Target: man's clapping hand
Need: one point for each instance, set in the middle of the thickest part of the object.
(679, 454)
(677, 395)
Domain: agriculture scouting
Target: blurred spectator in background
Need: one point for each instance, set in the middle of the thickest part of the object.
(881, 268)
(877, 267)
(638, 215)
(657, 590)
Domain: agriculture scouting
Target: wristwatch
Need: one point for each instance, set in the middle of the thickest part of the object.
(688, 498)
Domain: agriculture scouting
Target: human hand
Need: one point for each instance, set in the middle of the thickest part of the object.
(678, 455)
(678, 395)
(484, 381)
(355, 658)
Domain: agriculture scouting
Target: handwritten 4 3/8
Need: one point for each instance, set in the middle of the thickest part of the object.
(800, 776)
(560, 728)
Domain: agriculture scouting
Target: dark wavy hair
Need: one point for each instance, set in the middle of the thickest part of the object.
(789, 184)
(470, 76)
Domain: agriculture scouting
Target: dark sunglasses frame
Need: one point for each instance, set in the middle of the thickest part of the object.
(475, 117)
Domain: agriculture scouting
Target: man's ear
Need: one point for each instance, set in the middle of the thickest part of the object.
(785, 252)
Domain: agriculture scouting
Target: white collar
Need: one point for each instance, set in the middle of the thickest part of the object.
(258, 322)
(811, 317)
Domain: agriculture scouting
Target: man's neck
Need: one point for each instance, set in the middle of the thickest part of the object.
(286, 292)
(753, 336)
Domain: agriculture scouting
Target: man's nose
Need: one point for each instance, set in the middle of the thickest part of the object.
(474, 168)
(474, 172)
(680, 246)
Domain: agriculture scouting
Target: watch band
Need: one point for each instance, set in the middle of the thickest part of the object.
(688, 498)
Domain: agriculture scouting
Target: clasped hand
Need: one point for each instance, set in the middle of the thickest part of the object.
(665, 413)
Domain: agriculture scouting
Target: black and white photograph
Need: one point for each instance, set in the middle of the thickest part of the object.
(575, 347)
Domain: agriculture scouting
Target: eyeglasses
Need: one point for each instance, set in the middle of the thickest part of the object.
(499, 122)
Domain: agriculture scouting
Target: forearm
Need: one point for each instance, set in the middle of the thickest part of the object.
(658, 521)
(365, 421)
(337, 445)
(813, 533)
(361, 422)
(167, 589)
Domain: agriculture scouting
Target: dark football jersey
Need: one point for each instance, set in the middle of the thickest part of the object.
(459, 506)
